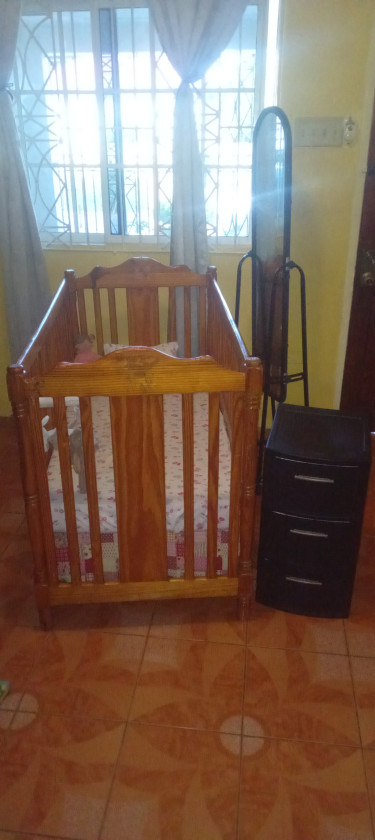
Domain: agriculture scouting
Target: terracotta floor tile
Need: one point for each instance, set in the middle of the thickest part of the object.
(28, 836)
(133, 617)
(369, 762)
(16, 589)
(191, 684)
(300, 695)
(302, 791)
(91, 673)
(360, 634)
(277, 629)
(20, 648)
(208, 619)
(174, 783)
(56, 773)
(363, 670)
(18, 610)
(364, 584)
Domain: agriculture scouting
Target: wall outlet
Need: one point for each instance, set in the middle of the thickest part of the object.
(319, 131)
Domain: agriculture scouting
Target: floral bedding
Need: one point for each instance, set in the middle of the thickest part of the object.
(174, 493)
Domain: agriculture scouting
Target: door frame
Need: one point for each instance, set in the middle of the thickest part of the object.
(363, 142)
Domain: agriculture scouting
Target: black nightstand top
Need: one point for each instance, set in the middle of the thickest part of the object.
(320, 434)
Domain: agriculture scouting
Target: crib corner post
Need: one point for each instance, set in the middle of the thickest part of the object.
(252, 397)
(18, 390)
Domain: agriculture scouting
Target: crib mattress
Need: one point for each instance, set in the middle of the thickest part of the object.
(174, 493)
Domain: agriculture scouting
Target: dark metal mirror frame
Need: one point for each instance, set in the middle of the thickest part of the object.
(270, 284)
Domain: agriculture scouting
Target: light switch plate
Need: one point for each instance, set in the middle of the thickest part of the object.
(318, 131)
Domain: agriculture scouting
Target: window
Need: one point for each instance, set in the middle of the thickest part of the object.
(94, 95)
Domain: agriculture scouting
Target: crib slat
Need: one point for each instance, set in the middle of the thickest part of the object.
(82, 310)
(91, 485)
(213, 482)
(188, 460)
(187, 321)
(143, 316)
(137, 425)
(112, 315)
(235, 483)
(98, 321)
(202, 321)
(42, 481)
(67, 487)
(172, 333)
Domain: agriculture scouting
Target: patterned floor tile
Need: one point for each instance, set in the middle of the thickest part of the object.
(207, 619)
(302, 791)
(360, 634)
(20, 648)
(192, 684)
(174, 783)
(363, 670)
(300, 695)
(133, 617)
(274, 628)
(369, 762)
(56, 773)
(90, 673)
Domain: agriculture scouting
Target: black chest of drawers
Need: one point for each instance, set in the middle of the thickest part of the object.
(316, 468)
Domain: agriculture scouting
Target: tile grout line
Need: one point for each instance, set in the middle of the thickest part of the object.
(362, 747)
(126, 724)
(242, 733)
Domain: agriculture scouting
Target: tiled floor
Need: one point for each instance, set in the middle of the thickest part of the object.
(175, 721)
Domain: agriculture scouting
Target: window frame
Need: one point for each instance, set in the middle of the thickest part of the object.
(147, 242)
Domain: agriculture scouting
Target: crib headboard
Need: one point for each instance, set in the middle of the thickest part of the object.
(141, 279)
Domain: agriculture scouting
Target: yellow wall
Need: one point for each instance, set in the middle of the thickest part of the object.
(327, 68)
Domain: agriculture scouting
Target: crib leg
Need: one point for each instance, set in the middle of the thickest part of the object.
(45, 618)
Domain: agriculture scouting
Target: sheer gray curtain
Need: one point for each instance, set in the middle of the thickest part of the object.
(25, 277)
(193, 33)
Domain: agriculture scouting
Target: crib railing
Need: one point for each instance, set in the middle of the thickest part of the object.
(134, 381)
(141, 279)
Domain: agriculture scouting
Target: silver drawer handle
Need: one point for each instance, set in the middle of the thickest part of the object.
(308, 533)
(315, 478)
(304, 580)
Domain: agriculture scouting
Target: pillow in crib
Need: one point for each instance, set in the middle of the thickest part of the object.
(170, 348)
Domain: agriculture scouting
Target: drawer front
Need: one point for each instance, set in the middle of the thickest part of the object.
(313, 545)
(281, 587)
(311, 489)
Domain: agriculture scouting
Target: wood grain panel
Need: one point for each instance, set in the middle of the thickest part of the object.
(213, 483)
(143, 316)
(140, 371)
(67, 487)
(92, 489)
(202, 321)
(98, 321)
(90, 593)
(43, 490)
(172, 332)
(188, 461)
(82, 311)
(235, 484)
(112, 315)
(138, 455)
(187, 322)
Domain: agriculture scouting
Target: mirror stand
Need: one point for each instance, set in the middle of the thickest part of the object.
(271, 264)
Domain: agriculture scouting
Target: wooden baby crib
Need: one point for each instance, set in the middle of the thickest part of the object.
(133, 387)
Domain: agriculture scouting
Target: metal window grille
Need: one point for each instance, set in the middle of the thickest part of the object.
(94, 95)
